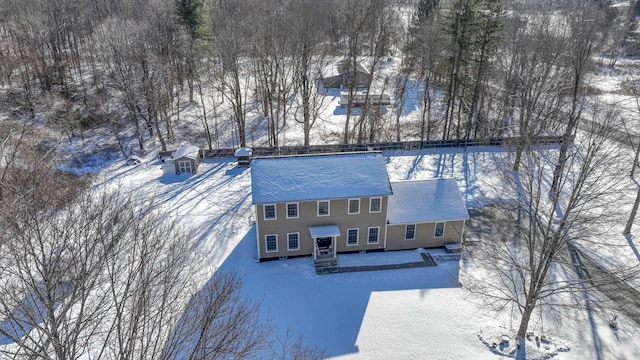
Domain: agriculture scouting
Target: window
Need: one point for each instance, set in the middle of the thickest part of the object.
(292, 210)
(375, 205)
(323, 208)
(439, 230)
(271, 243)
(184, 166)
(352, 237)
(270, 212)
(354, 206)
(374, 235)
(410, 232)
(293, 241)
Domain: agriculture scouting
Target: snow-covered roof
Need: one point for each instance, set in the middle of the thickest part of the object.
(319, 177)
(188, 151)
(420, 201)
(343, 66)
(243, 152)
(324, 231)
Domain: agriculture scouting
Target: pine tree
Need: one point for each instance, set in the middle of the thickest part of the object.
(192, 14)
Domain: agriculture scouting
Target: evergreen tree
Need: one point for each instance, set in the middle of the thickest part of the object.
(192, 14)
(473, 27)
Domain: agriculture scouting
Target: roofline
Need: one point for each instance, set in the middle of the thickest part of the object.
(422, 180)
(322, 199)
(427, 222)
(316, 154)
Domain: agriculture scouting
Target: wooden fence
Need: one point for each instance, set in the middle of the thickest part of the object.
(400, 145)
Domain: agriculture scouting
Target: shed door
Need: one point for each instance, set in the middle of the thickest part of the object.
(184, 166)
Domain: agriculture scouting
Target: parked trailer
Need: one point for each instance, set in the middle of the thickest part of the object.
(360, 98)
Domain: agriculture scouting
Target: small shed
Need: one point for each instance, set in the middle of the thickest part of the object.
(244, 156)
(186, 159)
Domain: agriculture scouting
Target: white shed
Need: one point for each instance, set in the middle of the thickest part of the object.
(186, 159)
(244, 156)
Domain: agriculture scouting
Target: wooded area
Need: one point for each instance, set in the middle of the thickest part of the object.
(487, 67)
(487, 71)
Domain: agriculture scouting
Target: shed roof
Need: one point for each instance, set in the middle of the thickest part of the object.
(319, 177)
(188, 151)
(421, 201)
(243, 152)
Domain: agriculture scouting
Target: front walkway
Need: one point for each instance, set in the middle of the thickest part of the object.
(427, 260)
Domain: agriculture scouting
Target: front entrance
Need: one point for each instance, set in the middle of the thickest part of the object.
(324, 254)
(324, 244)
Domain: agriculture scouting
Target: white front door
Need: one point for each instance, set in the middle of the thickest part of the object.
(184, 166)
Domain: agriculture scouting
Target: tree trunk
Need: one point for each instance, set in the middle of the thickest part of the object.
(632, 216)
(207, 133)
(635, 161)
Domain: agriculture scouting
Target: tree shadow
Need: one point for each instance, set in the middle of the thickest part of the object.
(342, 110)
(632, 245)
(327, 310)
(235, 171)
(31, 311)
(175, 178)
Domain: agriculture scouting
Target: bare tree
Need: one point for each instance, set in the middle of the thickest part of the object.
(289, 347)
(632, 89)
(533, 72)
(273, 70)
(422, 54)
(622, 33)
(219, 323)
(586, 24)
(231, 40)
(357, 24)
(539, 239)
(384, 35)
(49, 273)
(308, 26)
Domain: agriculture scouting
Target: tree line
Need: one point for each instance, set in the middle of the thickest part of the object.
(482, 67)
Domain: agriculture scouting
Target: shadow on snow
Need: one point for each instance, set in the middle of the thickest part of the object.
(327, 310)
(31, 312)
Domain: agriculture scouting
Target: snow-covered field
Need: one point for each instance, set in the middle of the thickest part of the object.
(422, 313)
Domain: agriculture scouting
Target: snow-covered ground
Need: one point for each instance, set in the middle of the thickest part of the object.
(422, 313)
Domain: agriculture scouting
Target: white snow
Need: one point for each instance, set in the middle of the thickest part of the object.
(421, 313)
(243, 152)
(319, 177)
(324, 231)
(422, 201)
(188, 151)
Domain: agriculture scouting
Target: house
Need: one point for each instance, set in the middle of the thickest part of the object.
(185, 160)
(343, 76)
(324, 204)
